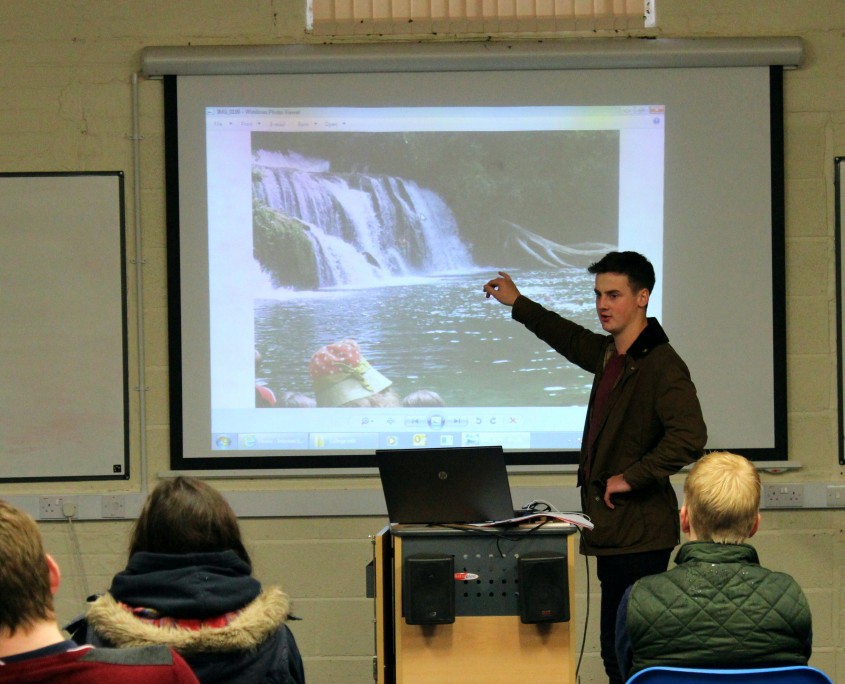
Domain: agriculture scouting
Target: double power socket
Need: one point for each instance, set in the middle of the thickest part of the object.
(816, 495)
(67, 507)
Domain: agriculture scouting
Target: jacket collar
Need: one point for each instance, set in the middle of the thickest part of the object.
(712, 552)
(651, 336)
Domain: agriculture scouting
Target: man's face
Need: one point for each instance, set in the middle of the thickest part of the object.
(618, 306)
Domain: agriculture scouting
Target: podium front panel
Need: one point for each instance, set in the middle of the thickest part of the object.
(488, 639)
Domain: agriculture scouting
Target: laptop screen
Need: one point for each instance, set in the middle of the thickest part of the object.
(445, 485)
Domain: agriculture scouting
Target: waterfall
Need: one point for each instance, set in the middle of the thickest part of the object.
(365, 229)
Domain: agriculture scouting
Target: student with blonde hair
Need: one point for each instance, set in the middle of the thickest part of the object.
(719, 607)
(33, 648)
(722, 494)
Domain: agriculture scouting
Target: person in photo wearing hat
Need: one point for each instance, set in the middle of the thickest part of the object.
(341, 376)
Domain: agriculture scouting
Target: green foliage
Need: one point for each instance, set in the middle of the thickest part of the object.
(282, 247)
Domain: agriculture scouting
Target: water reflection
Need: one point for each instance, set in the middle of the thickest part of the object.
(436, 333)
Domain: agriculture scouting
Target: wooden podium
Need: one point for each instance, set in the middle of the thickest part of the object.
(488, 639)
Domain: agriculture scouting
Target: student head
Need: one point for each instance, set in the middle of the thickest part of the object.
(28, 576)
(639, 270)
(185, 515)
(721, 499)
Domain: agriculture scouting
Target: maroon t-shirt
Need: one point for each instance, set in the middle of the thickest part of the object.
(612, 372)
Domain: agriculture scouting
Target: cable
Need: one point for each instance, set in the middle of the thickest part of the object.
(547, 507)
(586, 619)
(77, 556)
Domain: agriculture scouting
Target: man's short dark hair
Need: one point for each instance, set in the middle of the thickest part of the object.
(639, 270)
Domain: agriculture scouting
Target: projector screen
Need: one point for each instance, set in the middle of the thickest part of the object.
(330, 233)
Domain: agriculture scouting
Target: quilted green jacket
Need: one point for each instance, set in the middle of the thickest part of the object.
(718, 608)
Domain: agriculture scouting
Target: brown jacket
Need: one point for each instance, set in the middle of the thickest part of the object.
(652, 428)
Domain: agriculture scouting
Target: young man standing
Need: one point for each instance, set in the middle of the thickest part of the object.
(33, 649)
(718, 608)
(643, 424)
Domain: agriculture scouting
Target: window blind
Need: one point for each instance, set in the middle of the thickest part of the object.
(397, 17)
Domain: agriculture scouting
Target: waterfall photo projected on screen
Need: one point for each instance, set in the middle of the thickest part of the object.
(347, 249)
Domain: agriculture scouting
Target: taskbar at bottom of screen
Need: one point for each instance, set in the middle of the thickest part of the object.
(317, 441)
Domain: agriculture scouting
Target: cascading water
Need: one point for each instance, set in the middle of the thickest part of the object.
(364, 229)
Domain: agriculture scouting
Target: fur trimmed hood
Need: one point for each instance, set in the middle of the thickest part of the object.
(247, 631)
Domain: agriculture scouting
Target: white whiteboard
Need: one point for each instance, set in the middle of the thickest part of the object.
(63, 375)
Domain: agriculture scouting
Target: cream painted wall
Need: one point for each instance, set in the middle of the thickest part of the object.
(66, 106)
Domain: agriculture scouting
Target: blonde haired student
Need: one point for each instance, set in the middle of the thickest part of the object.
(719, 607)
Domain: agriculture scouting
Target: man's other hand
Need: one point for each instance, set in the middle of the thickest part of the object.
(615, 485)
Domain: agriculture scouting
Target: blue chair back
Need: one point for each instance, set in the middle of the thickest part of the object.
(798, 674)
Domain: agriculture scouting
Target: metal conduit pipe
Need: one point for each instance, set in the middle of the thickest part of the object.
(139, 284)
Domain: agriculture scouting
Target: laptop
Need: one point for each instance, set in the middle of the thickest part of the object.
(445, 485)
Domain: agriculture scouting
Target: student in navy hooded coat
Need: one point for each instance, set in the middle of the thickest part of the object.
(188, 584)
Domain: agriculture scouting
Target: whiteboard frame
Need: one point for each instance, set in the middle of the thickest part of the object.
(839, 206)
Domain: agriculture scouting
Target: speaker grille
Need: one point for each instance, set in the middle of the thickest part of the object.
(543, 587)
(428, 596)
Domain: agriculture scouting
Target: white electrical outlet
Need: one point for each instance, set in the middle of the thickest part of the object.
(783, 496)
(835, 496)
(113, 506)
(57, 507)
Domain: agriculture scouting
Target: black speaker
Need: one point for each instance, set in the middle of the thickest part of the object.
(543, 587)
(428, 589)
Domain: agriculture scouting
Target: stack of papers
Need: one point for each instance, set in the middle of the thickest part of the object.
(576, 519)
